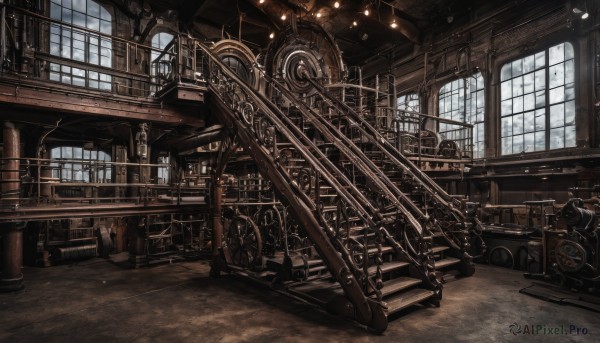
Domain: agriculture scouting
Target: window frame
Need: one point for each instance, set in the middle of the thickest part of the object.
(574, 83)
(467, 112)
(93, 49)
(62, 166)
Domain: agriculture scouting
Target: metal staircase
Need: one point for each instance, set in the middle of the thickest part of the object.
(373, 244)
(446, 224)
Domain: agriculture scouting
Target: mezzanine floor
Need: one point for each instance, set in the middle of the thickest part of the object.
(97, 301)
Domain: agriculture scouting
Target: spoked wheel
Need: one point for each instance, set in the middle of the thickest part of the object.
(244, 242)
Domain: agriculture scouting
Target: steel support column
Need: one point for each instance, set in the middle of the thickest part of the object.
(12, 235)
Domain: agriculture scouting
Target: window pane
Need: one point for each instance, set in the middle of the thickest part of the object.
(528, 83)
(78, 55)
(569, 71)
(55, 49)
(557, 138)
(570, 136)
(529, 102)
(518, 104)
(93, 23)
(557, 95)
(570, 113)
(505, 73)
(540, 60)
(507, 127)
(570, 92)
(556, 54)
(517, 144)
(540, 120)
(517, 68)
(529, 64)
(569, 53)
(540, 99)
(67, 15)
(540, 141)
(557, 115)
(78, 19)
(93, 9)
(540, 80)
(506, 107)
(55, 11)
(529, 121)
(517, 86)
(105, 27)
(518, 124)
(79, 5)
(557, 75)
(507, 146)
(529, 142)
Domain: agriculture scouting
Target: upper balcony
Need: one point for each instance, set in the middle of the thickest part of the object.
(68, 61)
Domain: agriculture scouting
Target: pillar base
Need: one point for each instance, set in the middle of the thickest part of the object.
(138, 261)
(217, 265)
(11, 285)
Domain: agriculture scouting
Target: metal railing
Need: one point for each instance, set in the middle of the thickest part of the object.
(42, 183)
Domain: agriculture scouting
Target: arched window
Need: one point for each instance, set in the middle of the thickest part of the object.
(162, 68)
(79, 44)
(76, 164)
(463, 100)
(537, 96)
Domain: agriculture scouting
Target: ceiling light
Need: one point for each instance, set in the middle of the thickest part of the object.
(367, 12)
(272, 35)
(283, 17)
(318, 14)
(577, 10)
(393, 24)
(336, 4)
(261, 1)
(354, 23)
(585, 15)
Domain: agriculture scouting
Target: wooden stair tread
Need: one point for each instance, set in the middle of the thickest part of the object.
(400, 283)
(439, 248)
(446, 262)
(388, 267)
(384, 250)
(408, 298)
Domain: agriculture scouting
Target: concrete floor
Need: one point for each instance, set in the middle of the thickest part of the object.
(96, 301)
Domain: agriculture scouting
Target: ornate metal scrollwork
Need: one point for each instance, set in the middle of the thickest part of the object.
(305, 180)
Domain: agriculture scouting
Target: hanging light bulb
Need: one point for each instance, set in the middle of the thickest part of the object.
(336, 4)
(585, 15)
(354, 23)
(283, 17)
(261, 1)
(272, 35)
(393, 24)
(367, 12)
